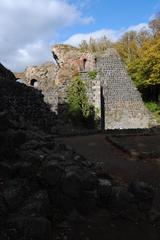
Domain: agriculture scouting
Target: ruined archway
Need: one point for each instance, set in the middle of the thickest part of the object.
(34, 83)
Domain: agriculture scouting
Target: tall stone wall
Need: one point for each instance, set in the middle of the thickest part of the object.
(44, 74)
(51, 98)
(123, 104)
(42, 78)
(93, 91)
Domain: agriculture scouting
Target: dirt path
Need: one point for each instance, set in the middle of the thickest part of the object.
(114, 161)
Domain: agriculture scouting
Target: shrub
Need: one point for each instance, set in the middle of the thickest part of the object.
(80, 111)
(152, 106)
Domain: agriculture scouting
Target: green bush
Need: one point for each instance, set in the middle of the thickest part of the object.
(152, 106)
(80, 111)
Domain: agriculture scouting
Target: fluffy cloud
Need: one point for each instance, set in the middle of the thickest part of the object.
(138, 27)
(27, 29)
(31, 54)
(113, 35)
(27, 26)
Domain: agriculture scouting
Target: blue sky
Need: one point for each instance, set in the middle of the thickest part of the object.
(116, 14)
(122, 13)
(28, 28)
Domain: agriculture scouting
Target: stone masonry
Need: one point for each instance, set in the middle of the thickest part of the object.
(123, 105)
(114, 95)
(116, 100)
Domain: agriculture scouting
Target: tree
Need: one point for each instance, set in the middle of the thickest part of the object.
(155, 24)
(92, 45)
(140, 51)
(95, 45)
(127, 46)
(145, 69)
(149, 64)
(83, 46)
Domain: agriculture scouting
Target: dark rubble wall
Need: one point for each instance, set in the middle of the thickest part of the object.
(39, 178)
(25, 103)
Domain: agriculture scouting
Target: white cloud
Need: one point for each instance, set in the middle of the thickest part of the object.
(26, 27)
(138, 27)
(77, 38)
(113, 35)
(31, 54)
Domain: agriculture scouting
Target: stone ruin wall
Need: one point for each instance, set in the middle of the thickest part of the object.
(71, 62)
(42, 77)
(124, 108)
(112, 93)
(93, 91)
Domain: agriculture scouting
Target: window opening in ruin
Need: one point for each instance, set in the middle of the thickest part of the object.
(34, 83)
(95, 62)
(84, 64)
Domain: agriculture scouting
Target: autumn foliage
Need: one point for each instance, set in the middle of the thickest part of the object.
(140, 52)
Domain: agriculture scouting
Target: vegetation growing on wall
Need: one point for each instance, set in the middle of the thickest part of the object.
(80, 111)
(92, 74)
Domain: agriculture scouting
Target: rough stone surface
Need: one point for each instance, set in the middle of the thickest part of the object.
(34, 167)
(44, 75)
(123, 104)
(29, 228)
(116, 100)
(104, 190)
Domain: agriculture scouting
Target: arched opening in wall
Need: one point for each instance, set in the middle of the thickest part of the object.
(84, 63)
(34, 83)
